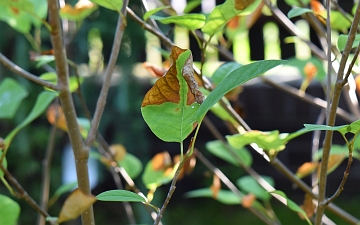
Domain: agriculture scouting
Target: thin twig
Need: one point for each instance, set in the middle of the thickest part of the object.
(45, 190)
(120, 27)
(22, 193)
(18, 70)
(81, 153)
(231, 186)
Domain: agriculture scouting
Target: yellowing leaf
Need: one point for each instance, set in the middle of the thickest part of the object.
(161, 161)
(80, 11)
(242, 4)
(248, 200)
(74, 205)
(308, 206)
(216, 186)
(306, 169)
(55, 116)
(118, 151)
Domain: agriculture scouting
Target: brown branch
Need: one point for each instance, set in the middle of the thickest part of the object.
(121, 24)
(340, 82)
(18, 70)
(81, 153)
(22, 193)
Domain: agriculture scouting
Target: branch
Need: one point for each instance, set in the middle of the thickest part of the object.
(22, 193)
(121, 24)
(340, 82)
(18, 70)
(81, 153)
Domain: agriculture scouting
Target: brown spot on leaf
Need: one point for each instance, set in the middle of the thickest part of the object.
(242, 4)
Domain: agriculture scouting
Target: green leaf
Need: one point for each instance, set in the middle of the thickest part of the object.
(9, 211)
(40, 12)
(131, 164)
(294, 12)
(52, 77)
(44, 59)
(191, 5)
(167, 111)
(110, 4)
(342, 39)
(218, 149)
(190, 21)
(154, 11)
(224, 196)
(223, 13)
(234, 79)
(354, 127)
(62, 190)
(339, 22)
(155, 178)
(224, 70)
(292, 205)
(4, 164)
(335, 149)
(11, 95)
(120, 196)
(249, 185)
(296, 2)
(42, 101)
(300, 65)
(77, 13)
(17, 19)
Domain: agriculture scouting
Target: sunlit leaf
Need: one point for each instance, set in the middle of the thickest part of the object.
(234, 79)
(223, 13)
(153, 12)
(224, 196)
(120, 196)
(79, 12)
(110, 4)
(169, 107)
(306, 169)
(42, 101)
(191, 5)
(342, 39)
(339, 21)
(219, 149)
(73, 80)
(11, 95)
(249, 185)
(296, 2)
(292, 205)
(190, 21)
(294, 12)
(74, 205)
(9, 211)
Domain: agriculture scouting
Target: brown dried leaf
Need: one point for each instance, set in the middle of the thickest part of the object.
(216, 186)
(118, 151)
(166, 89)
(188, 165)
(357, 82)
(74, 205)
(79, 11)
(308, 206)
(306, 169)
(55, 116)
(248, 200)
(161, 161)
(242, 4)
(310, 71)
(317, 7)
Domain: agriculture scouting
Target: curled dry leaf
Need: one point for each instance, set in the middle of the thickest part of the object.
(155, 70)
(306, 169)
(118, 151)
(357, 83)
(317, 7)
(82, 9)
(161, 161)
(308, 206)
(55, 116)
(74, 205)
(248, 200)
(242, 4)
(216, 186)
